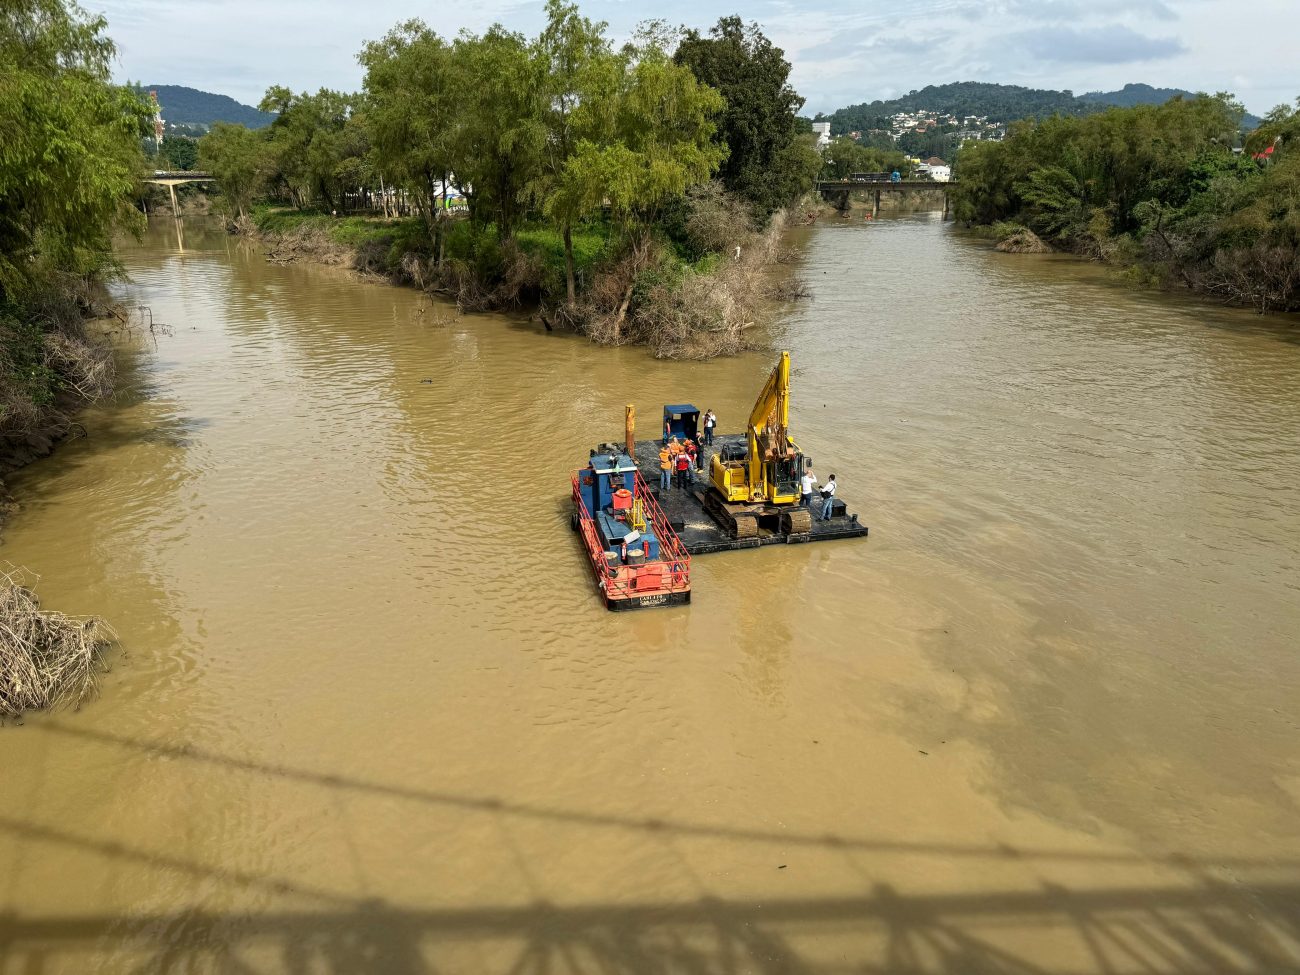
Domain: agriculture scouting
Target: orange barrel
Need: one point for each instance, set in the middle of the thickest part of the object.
(622, 499)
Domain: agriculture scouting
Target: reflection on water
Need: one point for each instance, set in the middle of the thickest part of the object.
(371, 717)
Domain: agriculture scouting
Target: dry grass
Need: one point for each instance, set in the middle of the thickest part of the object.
(308, 241)
(517, 283)
(1024, 241)
(685, 313)
(47, 660)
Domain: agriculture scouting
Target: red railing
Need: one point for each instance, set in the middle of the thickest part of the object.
(677, 578)
(670, 546)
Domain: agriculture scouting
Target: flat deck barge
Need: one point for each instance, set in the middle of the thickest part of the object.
(696, 527)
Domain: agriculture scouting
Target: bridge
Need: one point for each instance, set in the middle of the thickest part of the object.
(174, 178)
(838, 193)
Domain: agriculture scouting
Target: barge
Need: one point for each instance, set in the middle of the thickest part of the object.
(635, 555)
(702, 534)
(739, 491)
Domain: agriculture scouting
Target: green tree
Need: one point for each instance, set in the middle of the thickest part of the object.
(1157, 187)
(178, 153)
(770, 162)
(70, 155)
(844, 157)
(497, 85)
(235, 156)
(309, 140)
(580, 74)
(660, 140)
(412, 114)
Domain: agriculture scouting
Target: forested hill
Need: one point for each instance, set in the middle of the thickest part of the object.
(189, 106)
(1000, 103)
(997, 103)
(1131, 95)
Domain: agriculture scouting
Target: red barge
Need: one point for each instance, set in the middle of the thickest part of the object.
(635, 554)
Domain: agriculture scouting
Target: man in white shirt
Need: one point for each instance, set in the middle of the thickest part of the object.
(806, 488)
(828, 495)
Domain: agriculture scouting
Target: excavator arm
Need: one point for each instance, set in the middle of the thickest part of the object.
(769, 428)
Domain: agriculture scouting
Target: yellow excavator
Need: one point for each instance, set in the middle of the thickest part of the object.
(757, 485)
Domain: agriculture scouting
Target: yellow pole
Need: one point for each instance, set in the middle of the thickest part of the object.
(630, 425)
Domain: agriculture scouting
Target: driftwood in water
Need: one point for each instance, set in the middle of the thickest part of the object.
(47, 660)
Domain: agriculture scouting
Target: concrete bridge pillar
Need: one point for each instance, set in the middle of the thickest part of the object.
(875, 207)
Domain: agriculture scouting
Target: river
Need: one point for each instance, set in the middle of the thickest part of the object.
(368, 714)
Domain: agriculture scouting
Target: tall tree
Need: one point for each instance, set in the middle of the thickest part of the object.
(234, 156)
(412, 114)
(501, 137)
(770, 160)
(844, 157)
(70, 154)
(579, 73)
(656, 140)
(308, 142)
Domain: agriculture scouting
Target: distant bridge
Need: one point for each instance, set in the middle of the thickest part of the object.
(839, 192)
(174, 178)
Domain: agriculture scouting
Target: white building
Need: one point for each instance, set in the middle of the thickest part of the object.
(823, 130)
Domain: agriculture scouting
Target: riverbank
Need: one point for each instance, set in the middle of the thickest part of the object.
(682, 302)
(50, 367)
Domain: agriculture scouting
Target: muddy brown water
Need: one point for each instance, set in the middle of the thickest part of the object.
(371, 717)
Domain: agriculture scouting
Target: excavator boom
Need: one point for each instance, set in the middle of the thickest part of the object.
(768, 430)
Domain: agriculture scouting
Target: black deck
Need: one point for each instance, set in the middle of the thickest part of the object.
(696, 527)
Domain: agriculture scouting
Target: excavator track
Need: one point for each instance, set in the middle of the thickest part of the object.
(737, 526)
(796, 522)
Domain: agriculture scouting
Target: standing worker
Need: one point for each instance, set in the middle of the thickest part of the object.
(683, 469)
(710, 421)
(665, 469)
(693, 453)
(806, 488)
(828, 495)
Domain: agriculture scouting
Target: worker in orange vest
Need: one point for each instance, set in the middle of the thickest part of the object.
(665, 469)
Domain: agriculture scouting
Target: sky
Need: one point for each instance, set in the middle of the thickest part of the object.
(842, 51)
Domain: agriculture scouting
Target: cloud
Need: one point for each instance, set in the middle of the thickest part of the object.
(1075, 11)
(853, 43)
(1114, 44)
(843, 51)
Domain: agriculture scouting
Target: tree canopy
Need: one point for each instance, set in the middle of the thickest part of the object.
(1154, 187)
(771, 159)
(69, 144)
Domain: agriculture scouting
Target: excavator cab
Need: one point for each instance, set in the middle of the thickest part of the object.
(784, 478)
